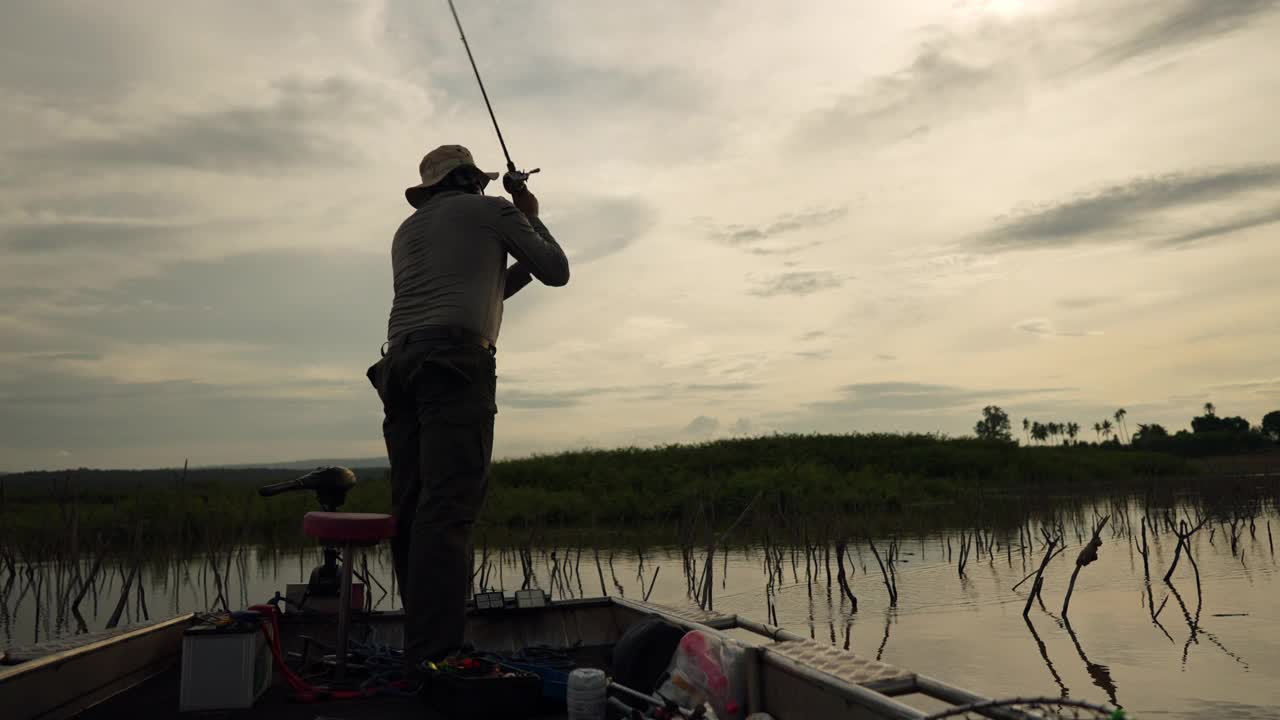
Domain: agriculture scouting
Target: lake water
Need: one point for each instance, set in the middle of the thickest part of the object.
(1212, 653)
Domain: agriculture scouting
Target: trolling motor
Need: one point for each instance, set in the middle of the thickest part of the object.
(331, 485)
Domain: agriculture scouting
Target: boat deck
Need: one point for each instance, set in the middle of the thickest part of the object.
(158, 698)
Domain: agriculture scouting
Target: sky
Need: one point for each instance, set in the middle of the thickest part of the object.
(845, 216)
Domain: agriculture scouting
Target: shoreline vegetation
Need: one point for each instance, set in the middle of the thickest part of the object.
(871, 482)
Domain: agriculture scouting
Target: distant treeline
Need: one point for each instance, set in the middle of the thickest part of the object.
(1210, 434)
(791, 475)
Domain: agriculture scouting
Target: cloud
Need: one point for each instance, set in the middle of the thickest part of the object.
(536, 399)
(1266, 387)
(596, 228)
(885, 357)
(912, 397)
(1191, 22)
(790, 249)
(722, 387)
(1129, 209)
(763, 239)
(1084, 302)
(947, 77)
(993, 63)
(702, 426)
(294, 128)
(47, 406)
(1226, 228)
(1044, 328)
(797, 284)
(299, 302)
(107, 236)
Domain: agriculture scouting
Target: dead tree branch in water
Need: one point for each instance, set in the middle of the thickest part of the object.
(890, 584)
(604, 592)
(1088, 555)
(1145, 551)
(1052, 542)
(649, 592)
(1184, 541)
(845, 590)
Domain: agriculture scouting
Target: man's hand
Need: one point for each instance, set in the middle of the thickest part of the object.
(514, 183)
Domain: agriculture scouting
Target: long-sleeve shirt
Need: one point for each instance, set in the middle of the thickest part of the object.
(449, 263)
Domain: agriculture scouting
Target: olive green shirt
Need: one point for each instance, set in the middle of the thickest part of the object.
(449, 263)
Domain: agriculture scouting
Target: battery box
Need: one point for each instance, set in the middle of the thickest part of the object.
(224, 668)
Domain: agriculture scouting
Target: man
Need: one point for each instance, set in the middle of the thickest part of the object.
(437, 376)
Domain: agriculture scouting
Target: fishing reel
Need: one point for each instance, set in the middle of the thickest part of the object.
(513, 180)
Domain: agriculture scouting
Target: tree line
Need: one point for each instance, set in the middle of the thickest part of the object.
(1210, 433)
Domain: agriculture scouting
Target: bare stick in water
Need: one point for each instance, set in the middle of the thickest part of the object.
(1039, 575)
(1184, 540)
(649, 592)
(893, 591)
(1086, 556)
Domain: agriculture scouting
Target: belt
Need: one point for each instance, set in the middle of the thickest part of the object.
(443, 335)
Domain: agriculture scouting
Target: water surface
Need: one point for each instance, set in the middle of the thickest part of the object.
(1213, 649)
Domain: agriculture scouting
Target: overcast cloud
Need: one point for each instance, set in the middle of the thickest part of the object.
(828, 217)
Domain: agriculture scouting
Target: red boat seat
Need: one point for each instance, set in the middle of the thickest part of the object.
(344, 527)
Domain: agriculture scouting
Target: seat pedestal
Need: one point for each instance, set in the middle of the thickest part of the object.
(350, 531)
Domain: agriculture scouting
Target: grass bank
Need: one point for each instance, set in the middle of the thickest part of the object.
(794, 475)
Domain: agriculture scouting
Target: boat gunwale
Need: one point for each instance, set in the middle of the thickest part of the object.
(62, 656)
(29, 683)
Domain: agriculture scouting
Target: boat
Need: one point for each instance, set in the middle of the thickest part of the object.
(252, 660)
(136, 672)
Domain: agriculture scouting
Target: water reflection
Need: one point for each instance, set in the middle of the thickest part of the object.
(1100, 674)
(1044, 655)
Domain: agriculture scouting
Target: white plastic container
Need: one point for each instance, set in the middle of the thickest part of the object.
(586, 694)
(223, 670)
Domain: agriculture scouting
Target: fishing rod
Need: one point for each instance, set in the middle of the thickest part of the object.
(515, 179)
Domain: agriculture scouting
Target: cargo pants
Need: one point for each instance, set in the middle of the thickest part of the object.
(438, 406)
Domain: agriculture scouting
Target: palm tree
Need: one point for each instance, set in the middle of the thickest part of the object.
(1056, 429)
(1026, 429)
(1120, 419)
(1097, 430)
(1039, 431)
(1209, 408)
(1073, 429)
(1106, 429)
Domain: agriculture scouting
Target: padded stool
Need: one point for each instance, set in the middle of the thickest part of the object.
(350, 531)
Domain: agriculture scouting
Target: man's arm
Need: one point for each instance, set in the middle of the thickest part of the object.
(530, 243)
(517, 277)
